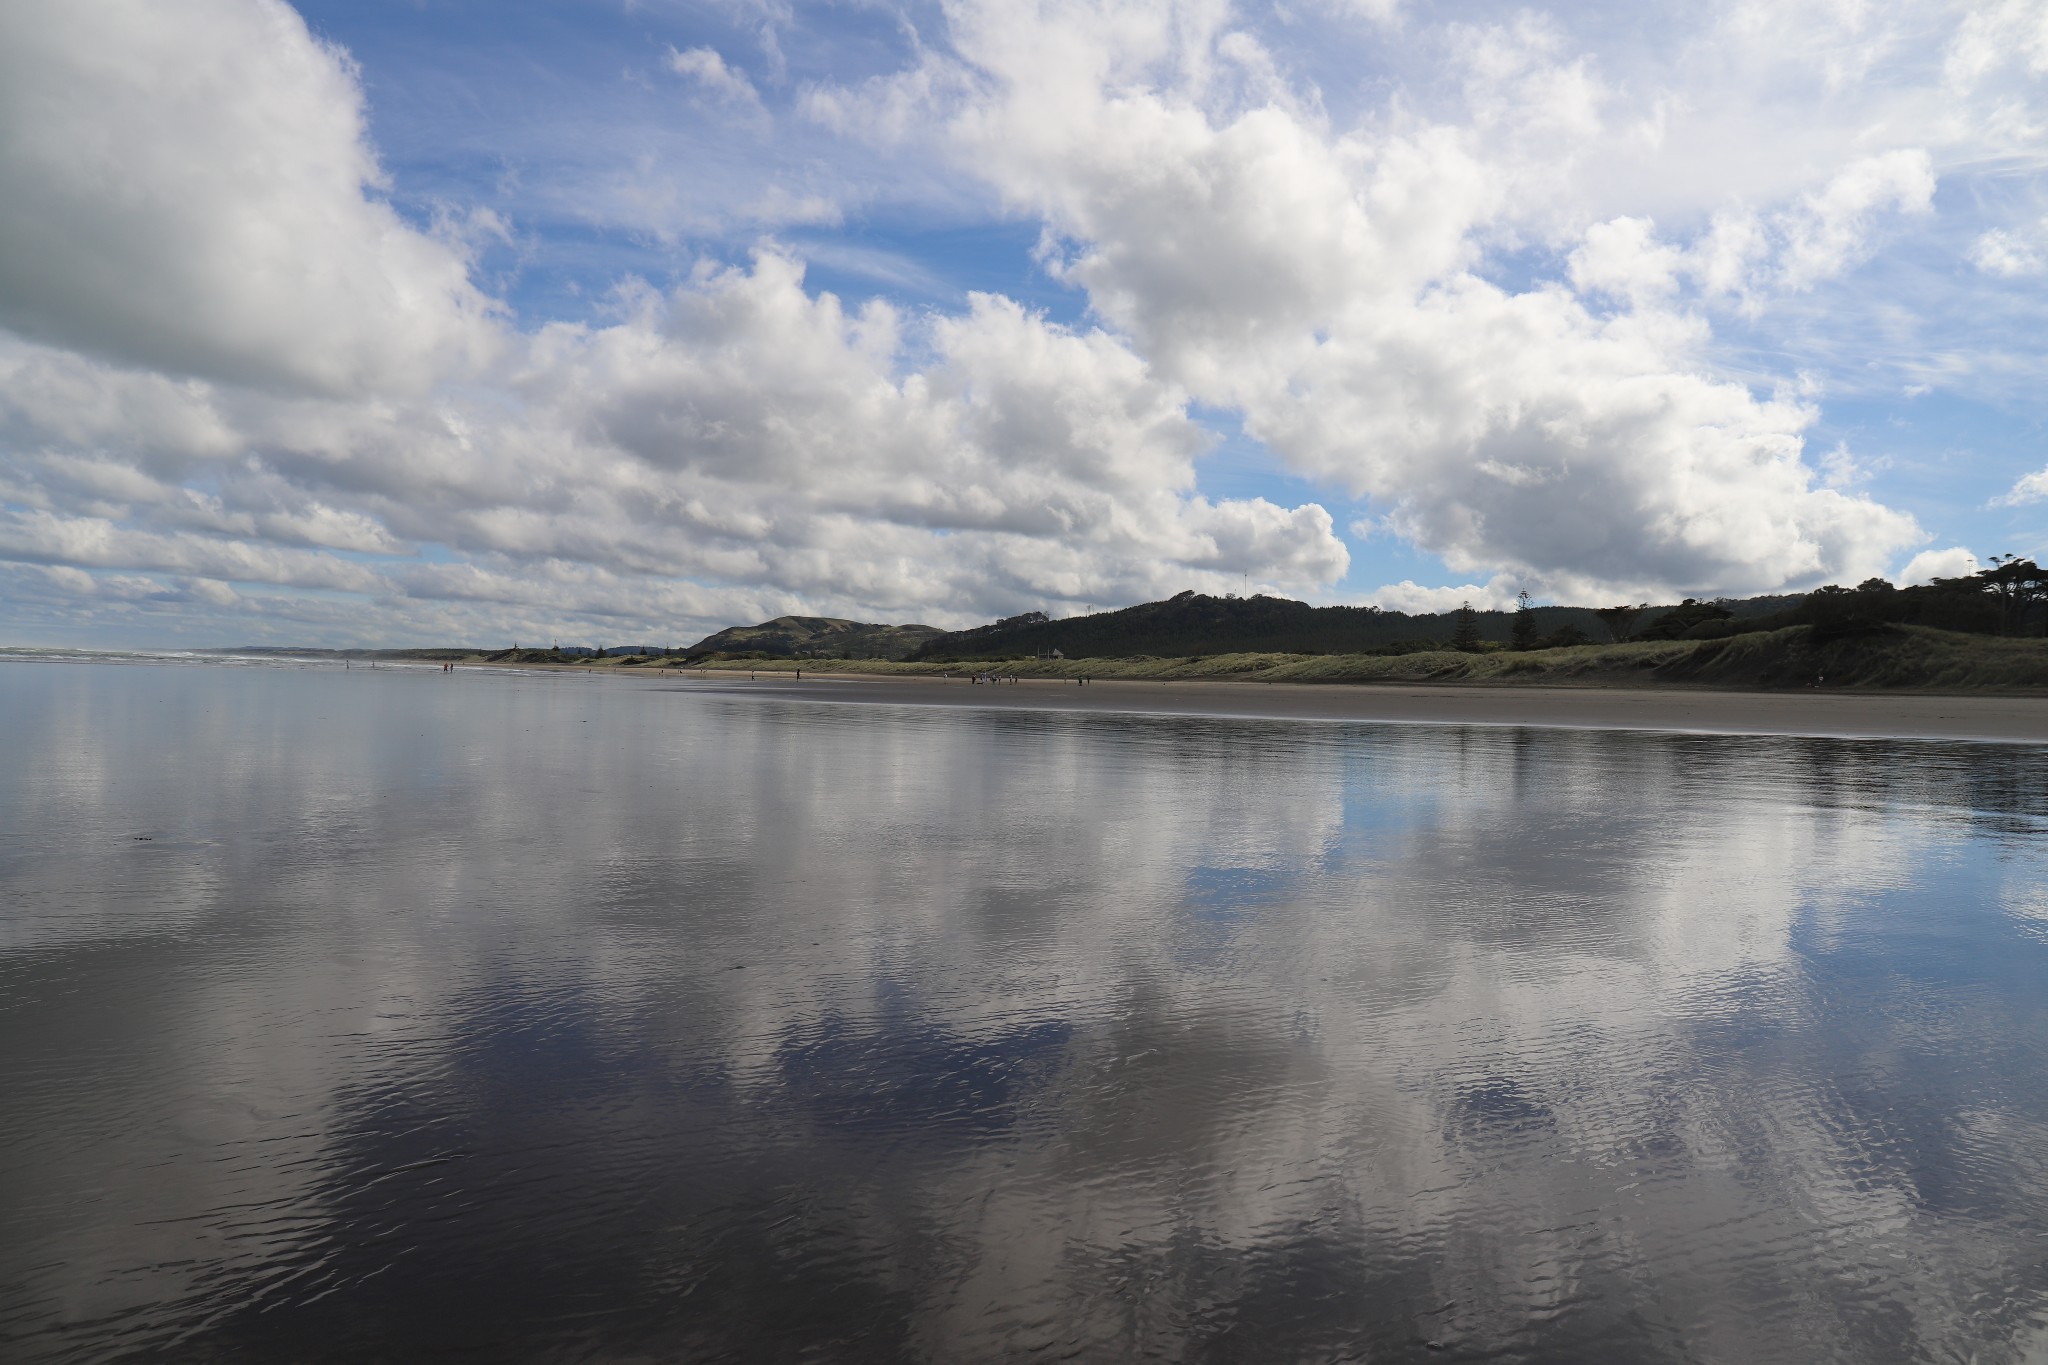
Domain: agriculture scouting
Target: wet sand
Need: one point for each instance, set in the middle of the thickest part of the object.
(2003, 719)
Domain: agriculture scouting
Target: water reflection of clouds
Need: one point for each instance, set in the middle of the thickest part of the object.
(886, 1031)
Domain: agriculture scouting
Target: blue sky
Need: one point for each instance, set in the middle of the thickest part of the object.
(406, 321)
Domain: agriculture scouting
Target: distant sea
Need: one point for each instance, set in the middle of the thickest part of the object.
(397, 1014)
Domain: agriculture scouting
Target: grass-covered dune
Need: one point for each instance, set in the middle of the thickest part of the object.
(1889, 657)
(1908, 657)
(802, 636)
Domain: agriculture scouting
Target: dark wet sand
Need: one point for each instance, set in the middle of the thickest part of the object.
(2004, 719)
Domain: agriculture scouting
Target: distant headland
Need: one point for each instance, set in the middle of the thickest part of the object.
(1984, 631)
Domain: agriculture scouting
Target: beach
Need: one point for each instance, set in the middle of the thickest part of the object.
(521, 1015)
(1989, 718)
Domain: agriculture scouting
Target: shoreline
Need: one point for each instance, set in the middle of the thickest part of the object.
(1999, 718)
(1793, 660)
(1981, 714)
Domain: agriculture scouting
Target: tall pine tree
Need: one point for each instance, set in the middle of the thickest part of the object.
(1525, 622)
(1466, 635)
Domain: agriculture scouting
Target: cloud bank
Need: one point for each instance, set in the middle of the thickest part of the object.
(243, 394)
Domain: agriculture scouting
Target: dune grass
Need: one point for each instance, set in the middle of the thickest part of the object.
(1905, 657)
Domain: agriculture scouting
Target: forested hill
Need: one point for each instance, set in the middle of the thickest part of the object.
(1192, 624)
(816, 637)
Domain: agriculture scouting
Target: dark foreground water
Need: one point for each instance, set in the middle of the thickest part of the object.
(387, 1015)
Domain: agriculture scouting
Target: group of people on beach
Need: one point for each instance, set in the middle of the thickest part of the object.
(1011, 679)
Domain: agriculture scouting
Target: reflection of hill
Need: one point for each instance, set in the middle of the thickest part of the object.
(822, 637)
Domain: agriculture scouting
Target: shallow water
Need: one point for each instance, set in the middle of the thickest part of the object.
(385, 1014)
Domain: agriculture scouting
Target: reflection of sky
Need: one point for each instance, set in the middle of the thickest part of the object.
(543, 1015)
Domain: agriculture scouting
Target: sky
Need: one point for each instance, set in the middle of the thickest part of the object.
(621, 321)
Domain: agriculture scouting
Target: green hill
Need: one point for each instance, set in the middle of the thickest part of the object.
(815, 637)
(1905, 657)
(1194, 624)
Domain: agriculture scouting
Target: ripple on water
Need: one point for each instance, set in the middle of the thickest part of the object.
(528, 1023)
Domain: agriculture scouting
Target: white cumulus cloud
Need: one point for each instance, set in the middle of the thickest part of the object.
(1497, 594)
(2030, 488)
(1485, 290)
(705, 67)
(1928, 565)
(1322, 284)
(189, 189)
(2012, 253)
(227, 359)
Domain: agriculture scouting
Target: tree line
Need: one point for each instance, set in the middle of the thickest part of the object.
(2008, 598)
